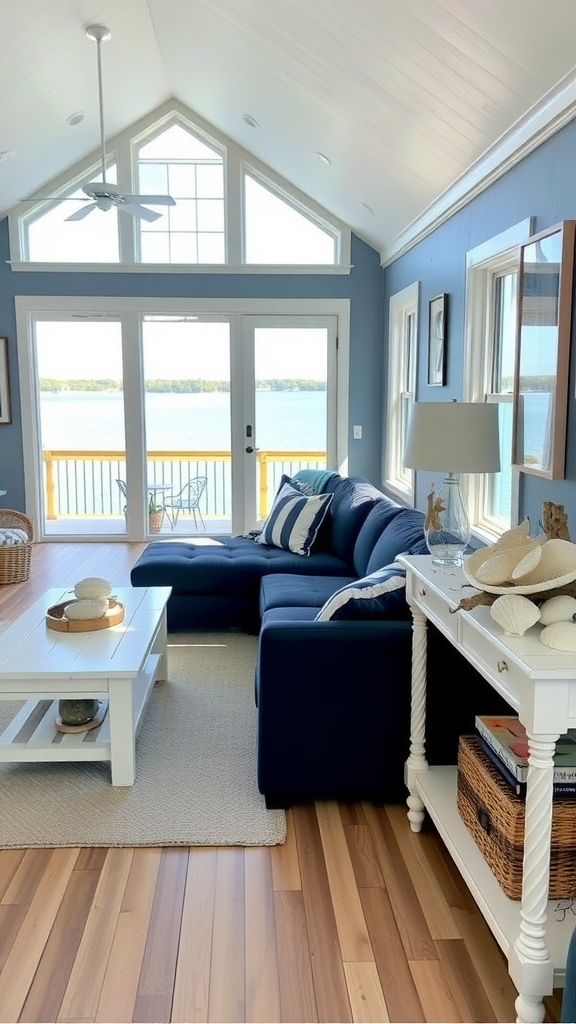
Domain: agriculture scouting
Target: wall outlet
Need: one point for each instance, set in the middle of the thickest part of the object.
(357, 432)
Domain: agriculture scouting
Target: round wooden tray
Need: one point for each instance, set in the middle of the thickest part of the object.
(55, 618)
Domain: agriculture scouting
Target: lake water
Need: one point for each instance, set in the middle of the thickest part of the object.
(95, 421)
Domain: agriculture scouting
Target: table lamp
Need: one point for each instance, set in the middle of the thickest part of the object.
(457, 437)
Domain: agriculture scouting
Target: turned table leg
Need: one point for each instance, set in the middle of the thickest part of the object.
(417, 758)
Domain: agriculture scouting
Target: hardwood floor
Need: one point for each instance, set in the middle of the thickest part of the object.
(355, 918)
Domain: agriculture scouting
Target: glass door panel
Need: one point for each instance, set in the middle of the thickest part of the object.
(291, 371)
(80, 402)
(187, 425)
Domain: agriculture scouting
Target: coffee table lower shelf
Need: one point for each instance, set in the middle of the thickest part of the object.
(31, 735)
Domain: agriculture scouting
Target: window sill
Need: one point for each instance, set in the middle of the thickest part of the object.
(176, 268)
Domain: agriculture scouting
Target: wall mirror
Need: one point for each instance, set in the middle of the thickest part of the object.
(543, 349)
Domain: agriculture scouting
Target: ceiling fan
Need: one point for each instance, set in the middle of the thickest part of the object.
(105, 195)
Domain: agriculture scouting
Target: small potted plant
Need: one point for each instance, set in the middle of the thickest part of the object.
(155, 515)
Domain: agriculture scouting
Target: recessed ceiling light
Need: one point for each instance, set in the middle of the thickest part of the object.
(7, 155)
(367, 208)
(250, 121)
(76, 118)
(323, 159)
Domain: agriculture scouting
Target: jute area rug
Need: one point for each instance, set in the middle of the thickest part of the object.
(195, 766)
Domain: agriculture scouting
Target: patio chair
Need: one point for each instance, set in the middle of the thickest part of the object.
(123, 491)
(187, 500)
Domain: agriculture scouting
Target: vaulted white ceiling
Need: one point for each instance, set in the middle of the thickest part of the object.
(403, 96)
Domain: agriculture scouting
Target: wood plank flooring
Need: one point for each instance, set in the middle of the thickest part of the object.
(354, 918)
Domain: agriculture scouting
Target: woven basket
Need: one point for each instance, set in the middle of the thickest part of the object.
(15, 559)
(494, 816)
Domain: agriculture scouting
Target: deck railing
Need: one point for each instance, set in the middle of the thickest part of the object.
(84, 483)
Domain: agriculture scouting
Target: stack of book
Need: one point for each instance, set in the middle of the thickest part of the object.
(504, 740)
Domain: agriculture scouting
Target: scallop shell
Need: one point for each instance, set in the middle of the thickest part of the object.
(92, 587)
(93, 609)
(558, 609)
(561, 636)
(514, 613)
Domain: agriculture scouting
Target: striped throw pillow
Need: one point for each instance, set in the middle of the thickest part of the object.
(14, 536)
(294, 520)
(381, 595)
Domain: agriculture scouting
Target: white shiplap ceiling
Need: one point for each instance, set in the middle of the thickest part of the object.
(403, 96)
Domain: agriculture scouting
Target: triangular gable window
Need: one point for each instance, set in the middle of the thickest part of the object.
(51, 238)
(276, 232)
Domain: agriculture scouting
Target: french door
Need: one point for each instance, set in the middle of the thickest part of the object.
(139, 422)
(289, 402)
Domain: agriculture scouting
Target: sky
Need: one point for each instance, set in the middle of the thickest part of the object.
(80, 349)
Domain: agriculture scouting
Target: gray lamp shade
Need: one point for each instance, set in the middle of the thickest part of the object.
(454, 437)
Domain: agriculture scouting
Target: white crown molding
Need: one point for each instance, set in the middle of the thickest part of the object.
(556, 109)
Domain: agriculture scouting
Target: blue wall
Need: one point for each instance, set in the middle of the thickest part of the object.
(363, 286)
(542, 186)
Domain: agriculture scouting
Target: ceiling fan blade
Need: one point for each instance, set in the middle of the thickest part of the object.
(152, 200)
(82, 212)
(139, 211)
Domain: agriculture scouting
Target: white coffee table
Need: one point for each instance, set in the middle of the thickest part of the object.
(119, 664)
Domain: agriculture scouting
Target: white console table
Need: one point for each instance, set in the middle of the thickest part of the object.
(540, 685)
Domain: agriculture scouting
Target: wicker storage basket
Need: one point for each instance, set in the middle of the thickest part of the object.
(494, 816)
(15, 559)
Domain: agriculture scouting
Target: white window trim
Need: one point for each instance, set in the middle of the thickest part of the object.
(394, 476)
(235, 159)
(496, 255)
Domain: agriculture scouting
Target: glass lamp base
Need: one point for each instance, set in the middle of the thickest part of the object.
(447, 527)
(446, 554)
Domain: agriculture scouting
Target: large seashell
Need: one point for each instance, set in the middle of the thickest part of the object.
(512, 538)
(557, 560)
(527, 564)
(92, 587)
(92, 609)
(561, 636)
(558, 609)
(514, 613)
(498, 566)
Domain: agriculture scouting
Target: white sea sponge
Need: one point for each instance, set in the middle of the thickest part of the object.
(514, 613)
(86, 609)
(558, 609)
(92, 587)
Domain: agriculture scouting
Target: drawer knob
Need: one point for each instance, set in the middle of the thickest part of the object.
(502, 666)
(422, 592)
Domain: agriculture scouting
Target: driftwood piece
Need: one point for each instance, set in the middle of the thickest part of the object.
(468, 603)
(554, 521)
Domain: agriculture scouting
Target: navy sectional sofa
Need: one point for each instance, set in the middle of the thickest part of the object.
(333, 695)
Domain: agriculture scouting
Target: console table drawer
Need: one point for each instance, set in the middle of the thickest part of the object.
(496, 666)
(435, 608)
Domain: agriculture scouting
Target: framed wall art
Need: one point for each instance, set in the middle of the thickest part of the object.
(4, 388)
(437, 338)
(545, 281)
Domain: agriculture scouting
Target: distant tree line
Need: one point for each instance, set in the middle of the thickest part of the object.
(181, 387)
